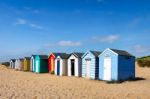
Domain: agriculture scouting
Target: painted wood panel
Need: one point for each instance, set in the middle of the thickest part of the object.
(41, 65)
(26, 65)
(93, 65)
(114, 65)
(122, 67)
(51, 63)
(32, 64)
(126, 67)
(77, 66)
(63, 66)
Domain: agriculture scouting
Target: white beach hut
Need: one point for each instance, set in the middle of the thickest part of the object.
(16, 64)
(12, 63)
(61, 64)
(75, 64)
(32, 67)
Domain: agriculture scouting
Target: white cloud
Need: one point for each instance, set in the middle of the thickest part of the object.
(107, 39)
(134, 22)
(27, 8)
(30, 9)
(64, 44)
(20, 21)
(141, 49)
(36, 11)
(69, 43)
(35, 26)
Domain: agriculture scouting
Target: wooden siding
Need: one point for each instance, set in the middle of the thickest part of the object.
(32, 64)
(26, 65)
(42, 66)
(63, 66)
(114, 65)
(126, 67)
(121, 67)
(93, 65)
(51, 63)
(77, 67)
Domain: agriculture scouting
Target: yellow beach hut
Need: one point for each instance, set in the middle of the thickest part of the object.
(26, 66)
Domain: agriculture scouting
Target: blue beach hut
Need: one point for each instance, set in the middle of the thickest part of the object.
(116, 65)
(90, 64)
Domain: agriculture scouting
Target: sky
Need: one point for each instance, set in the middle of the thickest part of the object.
(43, 26)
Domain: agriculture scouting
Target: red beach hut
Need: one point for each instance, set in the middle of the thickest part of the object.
(51, 62)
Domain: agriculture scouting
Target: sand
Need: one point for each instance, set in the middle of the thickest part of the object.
(27, 85)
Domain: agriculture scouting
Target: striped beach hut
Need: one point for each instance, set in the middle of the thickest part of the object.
(41, 64)
(51, 62)
(12, 63)
(90, 64)
(32, 63)
(26, 66)
(75, 64)
(116, 65)
(61, 64)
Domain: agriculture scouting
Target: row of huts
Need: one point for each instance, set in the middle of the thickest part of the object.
(111, 64)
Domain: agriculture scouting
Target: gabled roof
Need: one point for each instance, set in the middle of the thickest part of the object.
(121, 52)
(27, 58)
(33, 56)
(13, 60)
(43, 56)
(63, 55)
(96, 53)
(55, 54)
(77, 54)
(20, 58)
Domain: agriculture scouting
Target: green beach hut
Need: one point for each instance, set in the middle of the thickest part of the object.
(41, 64)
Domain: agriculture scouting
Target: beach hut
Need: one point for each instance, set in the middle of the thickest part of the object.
(26, 66)
(12, 63)
(41, 64)
(75, 64)
(21, 65)
(32, 66)
(61, 64)
(51, 62)
(16, 64)
(116, 65)
(90, 64)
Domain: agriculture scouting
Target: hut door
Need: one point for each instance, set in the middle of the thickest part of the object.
(37, 66)
(52, 64)
(32, 64)
(72, 67)
(88, 62)
(58, 67)
(107, 68)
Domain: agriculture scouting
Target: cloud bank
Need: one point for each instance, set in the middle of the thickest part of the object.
(106, 39)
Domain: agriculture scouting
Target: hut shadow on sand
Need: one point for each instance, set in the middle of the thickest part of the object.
(129, 80)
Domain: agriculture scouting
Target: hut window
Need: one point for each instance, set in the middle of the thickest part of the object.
(88, 59)
(107, 55)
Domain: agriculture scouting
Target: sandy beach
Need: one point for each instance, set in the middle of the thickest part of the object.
(27, 85)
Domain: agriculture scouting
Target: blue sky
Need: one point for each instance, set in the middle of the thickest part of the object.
(42, 26)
